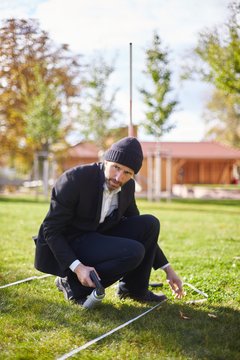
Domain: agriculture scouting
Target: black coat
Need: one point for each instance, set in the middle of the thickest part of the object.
(75, 208)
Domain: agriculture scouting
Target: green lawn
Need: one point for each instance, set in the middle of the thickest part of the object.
(201, 239)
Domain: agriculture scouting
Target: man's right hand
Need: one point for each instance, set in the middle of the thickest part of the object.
(83, 274)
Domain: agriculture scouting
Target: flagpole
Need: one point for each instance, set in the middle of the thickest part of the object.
(130, 127)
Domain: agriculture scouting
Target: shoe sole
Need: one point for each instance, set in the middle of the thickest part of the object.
(162, 299)
(128, 296)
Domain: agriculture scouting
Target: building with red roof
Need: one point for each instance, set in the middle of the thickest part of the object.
(169, 163)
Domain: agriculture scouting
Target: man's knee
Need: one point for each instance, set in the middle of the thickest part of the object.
(151, 221)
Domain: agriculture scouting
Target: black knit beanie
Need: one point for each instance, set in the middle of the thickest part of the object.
(127, 152)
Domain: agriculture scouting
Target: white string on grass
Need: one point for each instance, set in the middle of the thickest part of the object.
(91, 342)
(196, 290)
(24, 280)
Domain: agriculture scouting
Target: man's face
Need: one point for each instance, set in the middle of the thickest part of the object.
(116, 175)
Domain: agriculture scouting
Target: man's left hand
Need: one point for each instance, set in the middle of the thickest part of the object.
(174, 282)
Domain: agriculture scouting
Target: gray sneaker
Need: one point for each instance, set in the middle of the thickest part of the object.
(63, 285)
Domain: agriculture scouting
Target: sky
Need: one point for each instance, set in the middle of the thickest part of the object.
(108, 26)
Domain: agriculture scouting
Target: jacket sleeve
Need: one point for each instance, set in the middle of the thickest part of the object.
(63, 201)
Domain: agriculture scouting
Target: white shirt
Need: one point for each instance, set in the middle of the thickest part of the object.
(109, 202)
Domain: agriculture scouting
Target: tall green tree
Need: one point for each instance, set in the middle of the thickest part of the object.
(219, 51)
(158, 104)
(222, 117)
(43, 115)
(216, 60)
(23, 47)
(97, 110)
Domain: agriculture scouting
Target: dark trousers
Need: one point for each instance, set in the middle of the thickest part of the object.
(125, 252)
